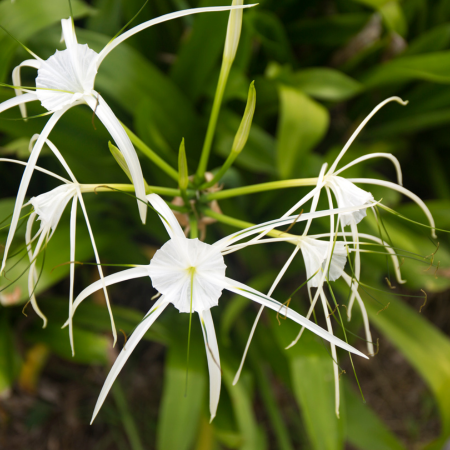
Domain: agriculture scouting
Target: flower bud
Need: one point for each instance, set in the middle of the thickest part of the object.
(233, 32)
(183, 174)
(244, 128)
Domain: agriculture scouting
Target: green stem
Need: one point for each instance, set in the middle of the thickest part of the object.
(150, 154)
(224, 72)
(241, 224)
(105, 187)
(127, 419)
(271, 185)
(227, 164)
(194, 226)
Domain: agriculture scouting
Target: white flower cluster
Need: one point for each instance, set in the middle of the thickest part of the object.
(188, 273)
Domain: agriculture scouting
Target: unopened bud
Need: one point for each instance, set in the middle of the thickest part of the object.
(244, 128)
(233, 32)
(183, 174)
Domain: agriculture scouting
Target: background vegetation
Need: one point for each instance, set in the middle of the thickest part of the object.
(319, 68)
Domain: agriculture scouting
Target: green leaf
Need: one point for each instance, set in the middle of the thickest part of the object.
(433, 67)
(311, 370)
(204, 46)
(10, 359)
(180, 410)
(364, 429)
(302, 124)
(326, 84)
(433, 40)
(90, 348)
(394, 18)
(243, 411)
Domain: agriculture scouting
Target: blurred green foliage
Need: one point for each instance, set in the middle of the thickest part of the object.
(319, 68)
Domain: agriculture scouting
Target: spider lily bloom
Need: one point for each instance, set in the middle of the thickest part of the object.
(48, 209)
(65, 80)
(190, 274)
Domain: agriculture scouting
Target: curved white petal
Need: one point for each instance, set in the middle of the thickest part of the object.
(32, 278)
(357, 268)
(40, 169)
(17, 101)
(333, 355)
(212, 353)
(167, 217)
(115, 129)
(369, 339)
(73, 230)
(389, 156)
(28, 172)
(99, 267)
(252, 294)
(68, 32)
(115, 42)
(361, 126)
(128, 348)
(18, 82)
(128, 274)
(58, 155)
(403, 191)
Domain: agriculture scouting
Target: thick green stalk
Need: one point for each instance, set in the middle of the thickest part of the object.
(203, 164)
(283, 184)
(151, 155)
(194, 226)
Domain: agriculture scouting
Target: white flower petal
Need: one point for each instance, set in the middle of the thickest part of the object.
(129, 274)
(389, 156)
(18, 82)
(128, 348)
(26, 179)
(174, 15)
(252, 294)
(403, 191)
(168, 218)
(115, 129)
(17, 101)
(68, 32)
(212, 354)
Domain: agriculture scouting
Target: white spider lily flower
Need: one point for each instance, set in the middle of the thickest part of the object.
(49, 206)
(65, 80)
(48, 209)
(191, 275)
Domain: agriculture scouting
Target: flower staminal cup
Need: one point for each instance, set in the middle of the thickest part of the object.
(65, 80)
(191, 275)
